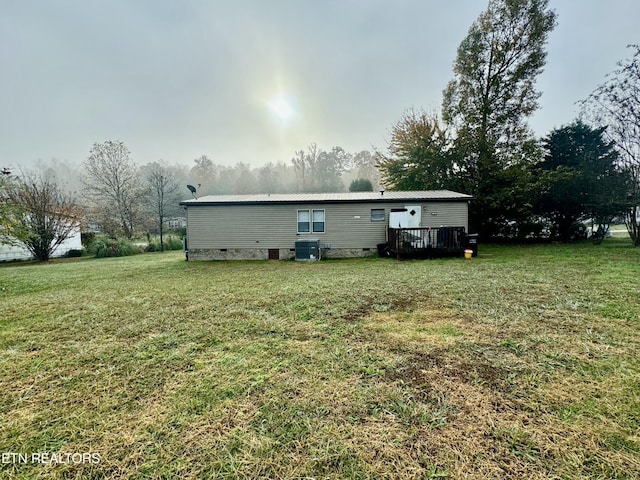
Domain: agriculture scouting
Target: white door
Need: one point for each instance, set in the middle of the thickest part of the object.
(414, 216)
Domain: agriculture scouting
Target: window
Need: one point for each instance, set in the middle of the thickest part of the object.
(311, 221)
(303, 221)
(377, 214)
(318, 221)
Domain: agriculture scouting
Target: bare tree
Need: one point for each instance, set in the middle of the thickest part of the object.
(62, 171)
(299, 162)
(246, 181)
(44, 215)
(616, 104)
(204, 173)
(320, 171)
(268, 178)
(162, 191)
(112, 185)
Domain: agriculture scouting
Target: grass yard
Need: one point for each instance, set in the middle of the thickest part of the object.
(521, 363)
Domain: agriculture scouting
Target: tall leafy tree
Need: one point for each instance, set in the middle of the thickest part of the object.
(418, 156)
(616, 103)
(112, 184)
(329, 170)
(488, 103)
(579, 176)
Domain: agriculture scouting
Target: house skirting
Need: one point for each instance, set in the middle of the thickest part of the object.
(266, 254)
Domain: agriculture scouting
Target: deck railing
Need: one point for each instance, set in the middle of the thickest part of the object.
(426, 241)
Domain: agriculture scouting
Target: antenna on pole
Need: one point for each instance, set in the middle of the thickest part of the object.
(192, 189)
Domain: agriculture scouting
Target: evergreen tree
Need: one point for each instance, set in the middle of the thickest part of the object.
(579, 176)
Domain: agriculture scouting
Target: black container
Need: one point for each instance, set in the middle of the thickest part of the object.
(384, 250)
(471, 243)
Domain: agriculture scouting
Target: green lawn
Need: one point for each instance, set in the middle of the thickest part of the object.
(521, 363)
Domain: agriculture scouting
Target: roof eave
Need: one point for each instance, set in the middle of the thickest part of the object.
(209, 203)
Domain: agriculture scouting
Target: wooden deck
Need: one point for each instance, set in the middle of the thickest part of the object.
(426, 242)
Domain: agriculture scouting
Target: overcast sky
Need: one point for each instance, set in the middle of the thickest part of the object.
(254, 80)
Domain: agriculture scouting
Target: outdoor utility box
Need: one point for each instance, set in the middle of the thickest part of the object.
(471, 241)
(308, 250)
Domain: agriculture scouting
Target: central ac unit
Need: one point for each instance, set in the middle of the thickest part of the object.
(308, 250)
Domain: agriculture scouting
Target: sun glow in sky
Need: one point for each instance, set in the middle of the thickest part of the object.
(282, 108)
(177, 80)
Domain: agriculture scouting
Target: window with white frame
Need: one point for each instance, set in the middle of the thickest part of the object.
(304, 221)
(318, 221)
(311, 221)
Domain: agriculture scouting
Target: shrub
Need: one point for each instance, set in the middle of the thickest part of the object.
(112, 248)
(152, 247)
(74, 252)
(173, 243)
(94, 247)
(126, 248)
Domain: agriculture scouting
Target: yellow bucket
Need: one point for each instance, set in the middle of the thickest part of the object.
(468, 254)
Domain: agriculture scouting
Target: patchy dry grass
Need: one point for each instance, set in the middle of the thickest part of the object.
(521, 363)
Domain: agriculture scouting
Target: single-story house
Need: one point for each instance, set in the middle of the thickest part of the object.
(271, 226)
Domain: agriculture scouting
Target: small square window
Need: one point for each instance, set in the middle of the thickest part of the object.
(377, 214)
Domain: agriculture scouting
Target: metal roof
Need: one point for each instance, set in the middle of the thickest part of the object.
(348, 197)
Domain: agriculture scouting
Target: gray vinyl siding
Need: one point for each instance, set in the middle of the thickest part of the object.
(240, 226)
(270, 226)
(447, 214)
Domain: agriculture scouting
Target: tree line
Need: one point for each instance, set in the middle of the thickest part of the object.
(313, 170)
(122, 199)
